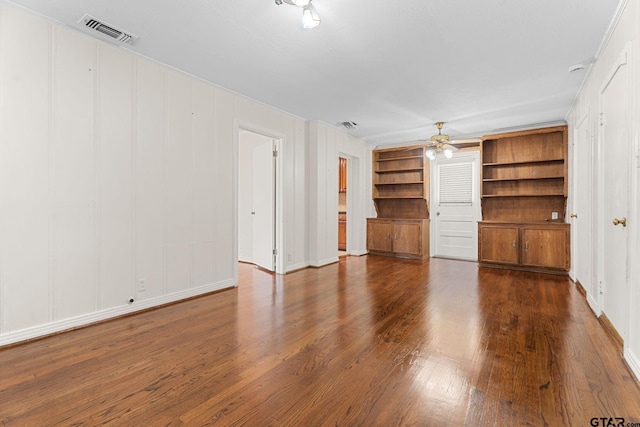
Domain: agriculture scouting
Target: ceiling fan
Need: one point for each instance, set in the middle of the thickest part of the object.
(440, 144)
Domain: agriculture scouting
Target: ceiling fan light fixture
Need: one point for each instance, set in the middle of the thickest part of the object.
(310, 18)
(448, 153)
(439, 145)
(299, 3)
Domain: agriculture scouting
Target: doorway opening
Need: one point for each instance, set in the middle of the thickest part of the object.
(342, 206)
(258, 199)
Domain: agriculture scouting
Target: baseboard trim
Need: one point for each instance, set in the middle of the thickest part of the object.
(296, 267)
(615, 337)
(633, 362)
(323, 262)
(59, 326)
(358, 253)
(593, 305)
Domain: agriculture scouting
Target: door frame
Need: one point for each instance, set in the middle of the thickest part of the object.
(278, 140)
(623, 59)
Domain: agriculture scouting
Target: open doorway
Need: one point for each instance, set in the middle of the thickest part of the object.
(257, 173)
(342, 206)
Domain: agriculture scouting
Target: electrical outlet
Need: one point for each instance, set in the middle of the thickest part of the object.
(290, 257)
(554, 215)
(142, 285)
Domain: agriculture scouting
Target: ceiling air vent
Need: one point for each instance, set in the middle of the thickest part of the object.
(349, 125)
(108, 29)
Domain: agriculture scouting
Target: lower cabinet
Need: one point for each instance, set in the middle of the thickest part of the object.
(407, 238)
(542, 247)
(342, 231)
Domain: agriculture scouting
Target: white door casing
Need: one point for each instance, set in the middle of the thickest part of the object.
(455, 206)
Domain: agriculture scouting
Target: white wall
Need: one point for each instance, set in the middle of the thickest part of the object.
(625, 33)
(326, 144)
(115, 169)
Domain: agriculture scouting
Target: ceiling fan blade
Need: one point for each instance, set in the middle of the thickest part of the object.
(450, 147)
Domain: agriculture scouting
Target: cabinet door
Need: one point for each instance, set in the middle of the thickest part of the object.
(499, 244)
(545, 247)
(342, 232)
(407, 238)
(379, 236)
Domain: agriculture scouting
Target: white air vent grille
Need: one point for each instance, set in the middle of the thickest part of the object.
(108, 29)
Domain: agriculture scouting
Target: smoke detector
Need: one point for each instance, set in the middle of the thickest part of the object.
(108, 29)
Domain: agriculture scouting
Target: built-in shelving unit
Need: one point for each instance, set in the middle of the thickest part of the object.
(400, 187)
(524, 175)
(401, 182)
(524, 198)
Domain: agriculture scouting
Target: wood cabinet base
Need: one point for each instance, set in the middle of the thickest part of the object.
(402, 238)
(537, 247)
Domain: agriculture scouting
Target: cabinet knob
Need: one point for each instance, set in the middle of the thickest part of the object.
(514, 244)
(526, 246)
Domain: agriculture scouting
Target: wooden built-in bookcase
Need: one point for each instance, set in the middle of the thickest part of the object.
(400, 187)
(524, 188)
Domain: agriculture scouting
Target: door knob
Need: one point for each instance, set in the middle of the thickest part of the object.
(574, 215)
(622, 221)
(437, 213)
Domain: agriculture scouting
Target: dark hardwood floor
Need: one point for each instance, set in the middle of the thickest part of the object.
(369, 341)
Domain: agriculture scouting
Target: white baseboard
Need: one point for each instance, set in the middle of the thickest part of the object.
(593, 304)
(359, 253)
(323, 262)
(98, 316)
(633, 362)
(294, 267)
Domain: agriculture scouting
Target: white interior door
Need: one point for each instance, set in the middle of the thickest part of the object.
(581, 215)
(455, 209)
(615, 143)
(264, 206)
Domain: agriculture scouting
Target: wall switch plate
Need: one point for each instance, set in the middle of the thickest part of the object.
(554, 215)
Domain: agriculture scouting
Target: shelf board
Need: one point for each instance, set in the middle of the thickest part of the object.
(487, 196)
(397, 197)
(400, 183)
(400, 170)
(525, 162)
(522, 179)
(390, 159)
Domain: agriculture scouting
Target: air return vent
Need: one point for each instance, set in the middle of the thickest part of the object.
(349, 125)
(108, 29)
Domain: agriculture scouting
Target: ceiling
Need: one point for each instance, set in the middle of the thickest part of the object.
(394, 67)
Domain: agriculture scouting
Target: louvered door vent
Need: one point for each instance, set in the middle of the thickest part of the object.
(108, 29)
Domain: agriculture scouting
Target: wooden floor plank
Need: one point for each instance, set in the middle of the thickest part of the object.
(366, 341)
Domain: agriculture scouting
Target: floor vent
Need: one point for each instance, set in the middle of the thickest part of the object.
(108, 29)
